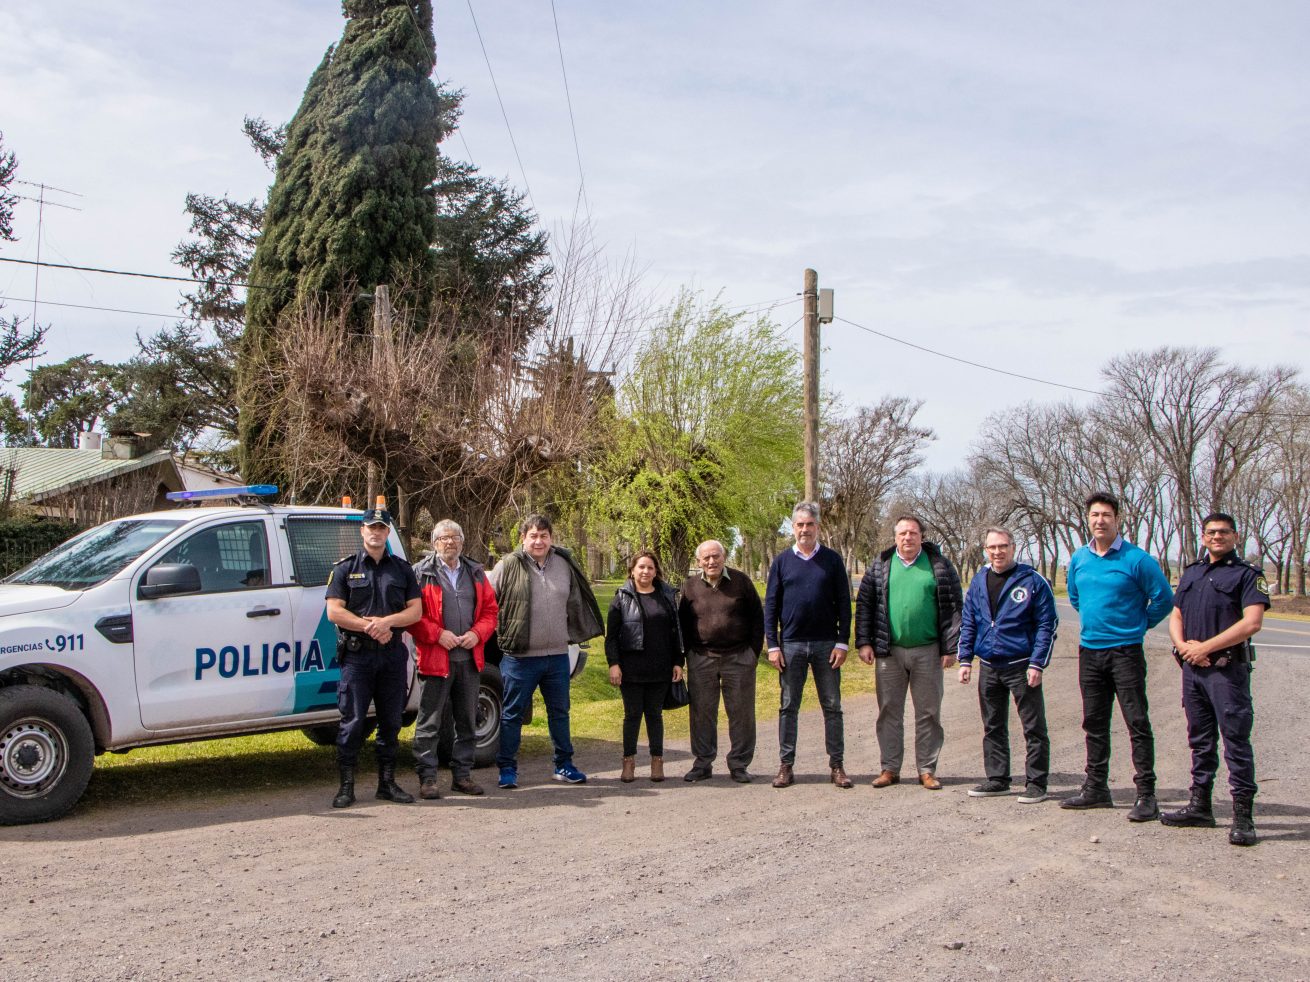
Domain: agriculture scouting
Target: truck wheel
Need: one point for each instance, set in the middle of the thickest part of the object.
(47, 753)
(325, 734)
(491, 692)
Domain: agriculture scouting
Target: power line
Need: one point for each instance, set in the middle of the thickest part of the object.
(577, 149)
(144, 276)
(485, 57)
(1057, 385)
(112, 310)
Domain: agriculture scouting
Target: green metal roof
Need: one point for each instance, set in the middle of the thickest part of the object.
(42, 471)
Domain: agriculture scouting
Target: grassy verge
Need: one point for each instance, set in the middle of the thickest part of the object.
(244, 764)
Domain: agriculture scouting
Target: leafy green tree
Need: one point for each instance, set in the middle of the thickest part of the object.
(709, 435)
(8, 169)
(71, 398)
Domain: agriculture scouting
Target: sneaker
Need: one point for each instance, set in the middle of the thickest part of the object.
(1089, 797)
(509, 778)
(991, 788)
(570, 775)
(1145, 809)
(698, 774)
(1032, 795)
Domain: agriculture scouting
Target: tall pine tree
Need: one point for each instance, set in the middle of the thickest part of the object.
(352, 203)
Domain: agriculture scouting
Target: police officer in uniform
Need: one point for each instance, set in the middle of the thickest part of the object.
(1219, 605)
(370, 597)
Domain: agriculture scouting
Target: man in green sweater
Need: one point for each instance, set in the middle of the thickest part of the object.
(907, 617)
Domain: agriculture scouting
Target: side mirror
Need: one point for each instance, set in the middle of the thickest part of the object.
(169, 579)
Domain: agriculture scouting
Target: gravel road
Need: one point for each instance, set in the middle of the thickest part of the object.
(704, 881)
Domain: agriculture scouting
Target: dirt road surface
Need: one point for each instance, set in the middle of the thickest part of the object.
(704, 881)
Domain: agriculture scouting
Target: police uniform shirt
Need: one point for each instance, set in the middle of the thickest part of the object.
(373, 588)
(1212, 595)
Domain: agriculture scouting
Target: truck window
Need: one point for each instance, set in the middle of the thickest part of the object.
(228, 557)
(96, 554)
(317, 543)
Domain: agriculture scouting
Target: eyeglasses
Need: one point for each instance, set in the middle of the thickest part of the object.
(448, 538)
(1215, 533)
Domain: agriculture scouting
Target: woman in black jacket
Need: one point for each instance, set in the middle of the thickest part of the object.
(643, 645)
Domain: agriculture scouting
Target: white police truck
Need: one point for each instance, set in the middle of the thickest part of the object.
(174, 626)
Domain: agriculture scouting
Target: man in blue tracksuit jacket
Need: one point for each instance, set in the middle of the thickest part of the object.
(1120, 593)
(1009, 623)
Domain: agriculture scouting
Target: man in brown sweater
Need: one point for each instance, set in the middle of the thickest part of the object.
(723, 626)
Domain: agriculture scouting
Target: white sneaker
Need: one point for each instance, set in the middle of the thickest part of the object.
(1032, 795)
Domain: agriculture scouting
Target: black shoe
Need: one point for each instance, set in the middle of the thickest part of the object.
(1243, 831)
(991, 788)
(698, 774)
(1196, 814)
(1089, 797)
(346, 793)
(388, 789)
(1145, 809)
(741, 776)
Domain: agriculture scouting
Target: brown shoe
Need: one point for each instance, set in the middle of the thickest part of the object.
(657, 769)
(840, 779)
(930, 782)
(629, 773)
(784, 778)
(886, 779)
(429, 790)
(465, 785)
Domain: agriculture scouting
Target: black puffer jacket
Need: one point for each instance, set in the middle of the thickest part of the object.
(625, 639)
(873, 621)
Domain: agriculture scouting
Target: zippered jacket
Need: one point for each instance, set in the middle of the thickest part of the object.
(433, 659)
(873, 612)
(1024, 628)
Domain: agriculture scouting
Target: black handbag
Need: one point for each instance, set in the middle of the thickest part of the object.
(677, 697)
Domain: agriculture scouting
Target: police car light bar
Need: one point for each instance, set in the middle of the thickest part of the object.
(257, 490)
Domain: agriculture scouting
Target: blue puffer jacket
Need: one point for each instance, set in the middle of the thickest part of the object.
(1024, 629)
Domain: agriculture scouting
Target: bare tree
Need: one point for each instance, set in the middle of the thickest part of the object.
(862, 458)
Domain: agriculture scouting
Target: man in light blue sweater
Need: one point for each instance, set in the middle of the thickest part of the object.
(1120, 593)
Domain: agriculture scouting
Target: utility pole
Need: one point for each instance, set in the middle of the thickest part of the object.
(381, 329)
(810, 293)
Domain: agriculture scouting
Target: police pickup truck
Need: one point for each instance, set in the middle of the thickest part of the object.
(174, 626)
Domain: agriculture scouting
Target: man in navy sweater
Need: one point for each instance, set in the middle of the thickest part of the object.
(807, 626)
(1120, 593)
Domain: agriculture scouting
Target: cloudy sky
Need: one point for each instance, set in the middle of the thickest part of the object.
(1032, 186)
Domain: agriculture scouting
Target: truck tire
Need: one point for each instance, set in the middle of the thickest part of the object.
(47, 753)
(491, 694)
(325, 734)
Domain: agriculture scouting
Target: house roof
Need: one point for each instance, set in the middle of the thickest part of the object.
(43, 471)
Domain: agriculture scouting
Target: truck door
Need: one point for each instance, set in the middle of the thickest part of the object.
(223, 654)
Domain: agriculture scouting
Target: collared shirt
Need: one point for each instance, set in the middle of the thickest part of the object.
(796, 548)
(907, 563)
(714, 584)
(374, 588)
(1115, 546)
(1213, 596)
(452, 575)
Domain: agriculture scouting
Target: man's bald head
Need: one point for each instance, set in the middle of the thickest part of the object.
(710, 556)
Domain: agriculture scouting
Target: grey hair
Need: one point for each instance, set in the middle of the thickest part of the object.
(712, 542)
(998, 530)
(810, 508)
(446, 526)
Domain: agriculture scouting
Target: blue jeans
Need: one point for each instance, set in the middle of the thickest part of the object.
(799, 658)
(522, 677)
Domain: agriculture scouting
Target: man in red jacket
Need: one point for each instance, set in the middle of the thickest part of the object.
(459, 614)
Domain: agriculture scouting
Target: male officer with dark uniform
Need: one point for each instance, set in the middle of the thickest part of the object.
(1219, 605)
(370, 597)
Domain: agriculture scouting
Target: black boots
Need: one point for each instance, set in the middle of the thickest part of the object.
(1089, 797)
(346, 793)
(1243, 831)
(1197, 814)
(388, 789)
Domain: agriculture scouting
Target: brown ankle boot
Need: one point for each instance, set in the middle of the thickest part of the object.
(657, 769)
(629, 770)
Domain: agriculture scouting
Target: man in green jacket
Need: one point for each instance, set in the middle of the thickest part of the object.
(546, 604)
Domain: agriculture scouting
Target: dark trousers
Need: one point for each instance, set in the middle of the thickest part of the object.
(996, 687)
(460, 689)
(522, 677)
(1218, 701)
(379, 677)
(732, 674)
(800, 657)
(1104, 673)
(643, 699)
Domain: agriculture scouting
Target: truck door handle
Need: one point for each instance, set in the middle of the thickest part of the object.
(263, 612)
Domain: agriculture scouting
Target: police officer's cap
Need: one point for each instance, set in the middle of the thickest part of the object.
(377, 516)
